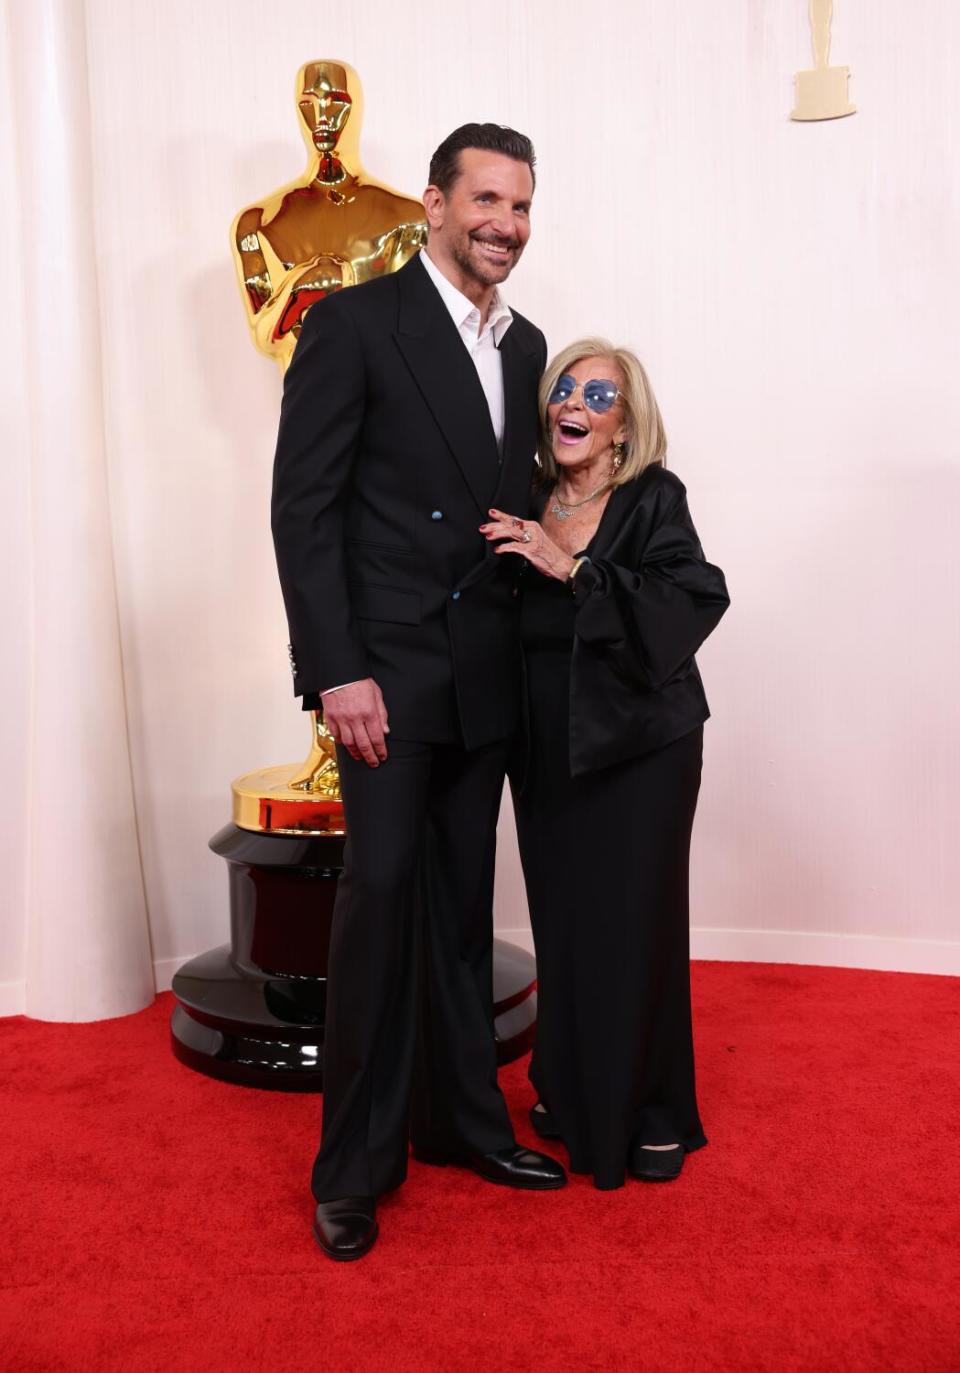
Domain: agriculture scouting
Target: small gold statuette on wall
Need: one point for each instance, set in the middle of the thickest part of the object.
(822, 93)
(332, 228)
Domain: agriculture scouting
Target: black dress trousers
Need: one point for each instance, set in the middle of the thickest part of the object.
(410, 1000)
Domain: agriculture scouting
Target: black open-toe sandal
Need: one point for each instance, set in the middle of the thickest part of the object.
(655, 1165)
(543, 1122)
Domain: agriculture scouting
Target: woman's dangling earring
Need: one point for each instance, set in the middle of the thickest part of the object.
(619, 453)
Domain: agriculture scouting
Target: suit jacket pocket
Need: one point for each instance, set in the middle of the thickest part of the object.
(389, 603)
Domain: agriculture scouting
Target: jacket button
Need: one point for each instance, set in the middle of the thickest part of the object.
(455, 596)
(436, 514)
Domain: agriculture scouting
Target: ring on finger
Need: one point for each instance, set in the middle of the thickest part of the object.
(526, 536)
(517, 524)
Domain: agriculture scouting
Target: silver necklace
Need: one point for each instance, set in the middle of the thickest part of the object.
(562, 510)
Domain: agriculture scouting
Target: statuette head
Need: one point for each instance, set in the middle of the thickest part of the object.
(326, 92)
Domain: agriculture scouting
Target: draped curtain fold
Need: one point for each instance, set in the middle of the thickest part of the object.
(87, 940)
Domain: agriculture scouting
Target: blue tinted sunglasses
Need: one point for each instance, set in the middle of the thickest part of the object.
(598, 395)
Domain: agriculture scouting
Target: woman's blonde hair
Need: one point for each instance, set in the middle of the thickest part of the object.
(646, 438)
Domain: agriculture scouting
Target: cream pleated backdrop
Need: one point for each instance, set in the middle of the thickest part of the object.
(794, 290)
(87, 951)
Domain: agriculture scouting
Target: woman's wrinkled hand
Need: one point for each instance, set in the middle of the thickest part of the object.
(527, 538)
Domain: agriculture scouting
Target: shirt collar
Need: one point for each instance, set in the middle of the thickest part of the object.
(463, 311)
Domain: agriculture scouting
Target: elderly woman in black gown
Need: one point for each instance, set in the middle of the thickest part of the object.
(617, 598)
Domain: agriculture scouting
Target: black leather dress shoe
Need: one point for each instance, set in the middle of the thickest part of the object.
(514, 1167)
(655, 1165)
(543, 1122)
(347, 1228)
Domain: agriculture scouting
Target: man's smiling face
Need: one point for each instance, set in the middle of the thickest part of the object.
(483, 222)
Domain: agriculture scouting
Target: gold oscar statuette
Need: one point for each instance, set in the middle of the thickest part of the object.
(822, 92)
(333, 227)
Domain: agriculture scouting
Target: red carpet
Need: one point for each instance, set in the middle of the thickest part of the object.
(157, 1219)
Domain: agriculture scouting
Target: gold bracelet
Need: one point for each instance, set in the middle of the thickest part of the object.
(578, 563)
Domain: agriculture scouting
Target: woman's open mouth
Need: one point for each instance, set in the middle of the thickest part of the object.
(569, 431)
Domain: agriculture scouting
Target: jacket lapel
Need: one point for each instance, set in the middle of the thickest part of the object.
(445, 374)
(614, 513)
(520, 379)
(519, 375)
(624, 504)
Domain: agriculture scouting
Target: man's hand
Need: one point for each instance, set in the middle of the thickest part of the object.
(357, 718)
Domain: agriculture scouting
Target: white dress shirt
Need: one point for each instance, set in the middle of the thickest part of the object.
(482, 345)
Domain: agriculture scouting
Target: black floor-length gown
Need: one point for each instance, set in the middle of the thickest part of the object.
(605, 857)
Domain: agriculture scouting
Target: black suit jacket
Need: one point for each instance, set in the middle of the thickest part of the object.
(644, 605)
(386, 466)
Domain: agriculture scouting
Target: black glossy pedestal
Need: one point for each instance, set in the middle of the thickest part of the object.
(252, 1011)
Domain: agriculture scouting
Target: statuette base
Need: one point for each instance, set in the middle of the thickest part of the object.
(266, 802)
(252, 1011)
(822, 93)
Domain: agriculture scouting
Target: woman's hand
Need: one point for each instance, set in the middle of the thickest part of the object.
(527, 538)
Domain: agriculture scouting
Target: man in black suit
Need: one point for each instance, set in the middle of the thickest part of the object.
(409, 410)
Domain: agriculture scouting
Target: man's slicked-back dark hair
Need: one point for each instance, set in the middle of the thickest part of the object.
(490, 138)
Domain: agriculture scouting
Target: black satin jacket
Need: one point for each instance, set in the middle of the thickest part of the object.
(644, 604)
